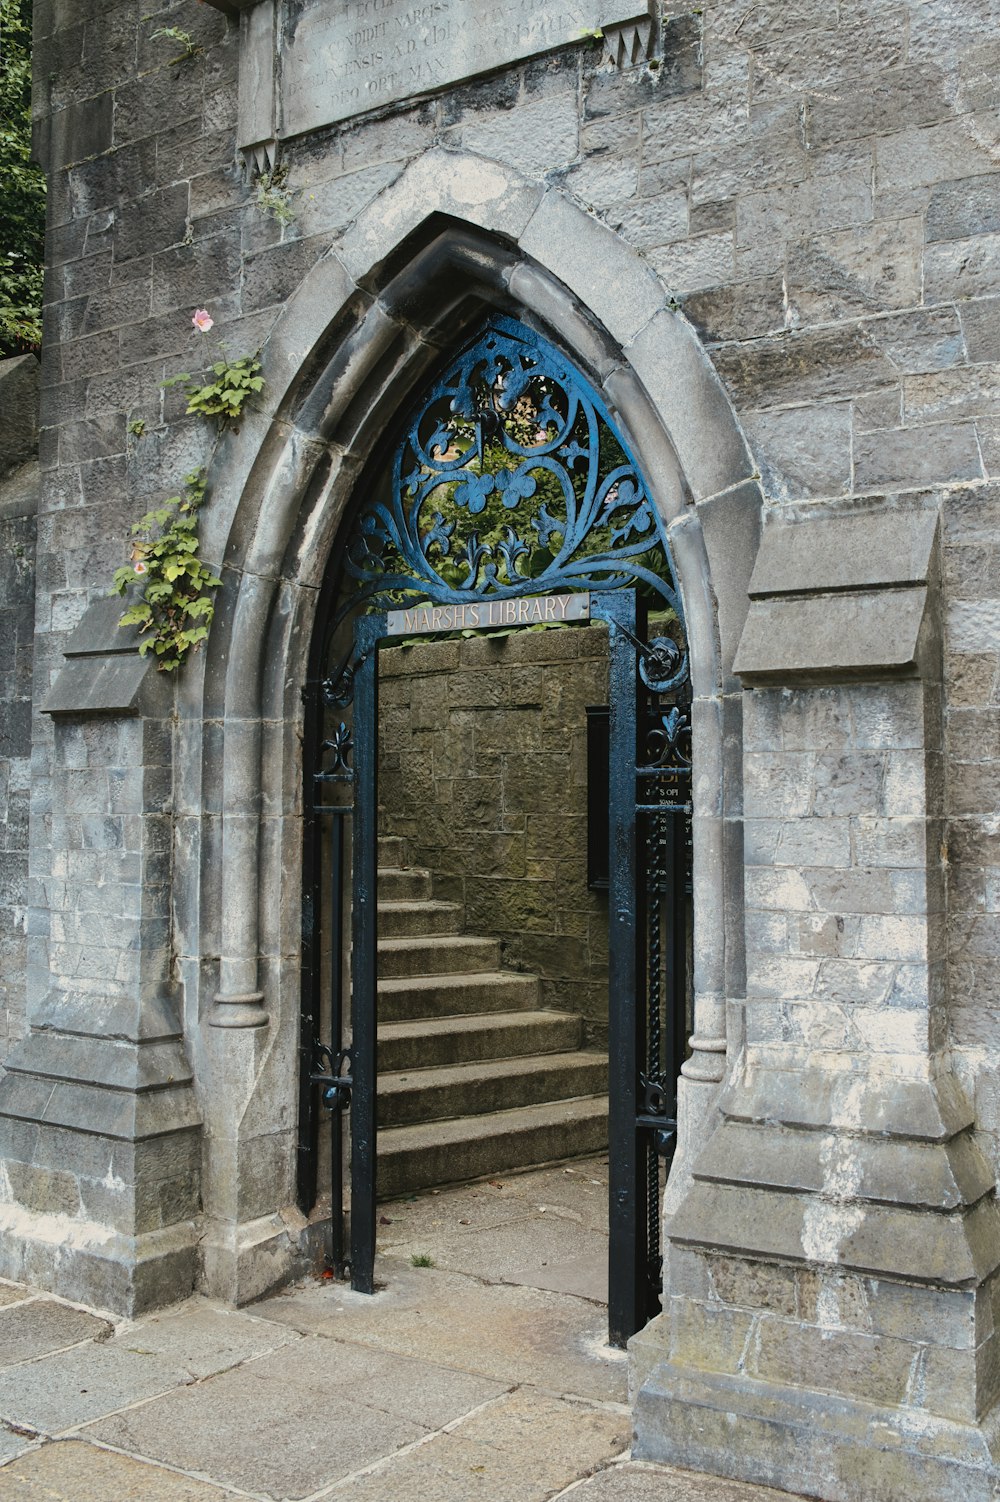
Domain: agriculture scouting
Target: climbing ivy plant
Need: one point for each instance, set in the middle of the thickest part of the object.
(223, 398)
(175, 602)
(175, 605)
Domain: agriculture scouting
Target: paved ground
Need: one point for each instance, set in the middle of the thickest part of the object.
(482, 1375)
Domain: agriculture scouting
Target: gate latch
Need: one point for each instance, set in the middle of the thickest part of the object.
(333, 1073)
(653, 1116)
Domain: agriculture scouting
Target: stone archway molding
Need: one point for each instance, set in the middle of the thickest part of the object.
(452, 234)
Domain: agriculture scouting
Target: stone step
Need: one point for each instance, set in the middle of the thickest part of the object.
(441, 955)
(403, 886)
(456, 995)
(398, 920)
(446, 1152)
(391, 851)
(491, 1085)
(433, 1042)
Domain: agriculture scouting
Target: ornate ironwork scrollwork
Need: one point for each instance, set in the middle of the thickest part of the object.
(334, 1074)
(663, 665)
(510, 480)
(337, 691)
(667, 739)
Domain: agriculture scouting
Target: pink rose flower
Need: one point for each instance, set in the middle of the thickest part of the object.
(202, 320)
(140, 567)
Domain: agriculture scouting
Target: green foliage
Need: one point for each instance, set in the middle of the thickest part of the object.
(223, 398)
(184, 39)
(175, 603)
(272, 196)
(22, 248)
(421, 1259)
(137, 427)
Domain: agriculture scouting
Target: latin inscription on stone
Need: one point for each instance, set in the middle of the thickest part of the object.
(342, 57)
(486, 615)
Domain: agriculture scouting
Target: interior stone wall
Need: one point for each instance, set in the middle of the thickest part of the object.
(483, 769)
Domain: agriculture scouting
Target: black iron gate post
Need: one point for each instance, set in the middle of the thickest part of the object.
(368, 631)
(627, 1178)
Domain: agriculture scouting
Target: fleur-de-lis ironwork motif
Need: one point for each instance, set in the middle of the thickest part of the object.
(667, 739)
(511, 480)
(340, 745)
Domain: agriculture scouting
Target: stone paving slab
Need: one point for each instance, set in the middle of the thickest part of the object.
(497, 1252)
(557, 1216)
(578, 1191)
(72, 1471)
(11, 1444)
(59, 1392)
(306, 1416)
(35, 1328)
(522, 1448)
(585, 1276)
(203, 1338)
(506, 1332)
(447, 1386)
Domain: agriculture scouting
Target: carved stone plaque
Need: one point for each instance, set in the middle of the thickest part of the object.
(343, 57)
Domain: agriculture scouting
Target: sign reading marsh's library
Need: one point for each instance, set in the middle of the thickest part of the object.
(485, 615)
(342, 58)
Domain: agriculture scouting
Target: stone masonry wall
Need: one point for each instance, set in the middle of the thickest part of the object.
(17, 609)
(483, 769)
(816, 183)
(18, 505)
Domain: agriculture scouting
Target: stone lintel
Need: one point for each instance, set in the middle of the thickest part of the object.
(839, 595)
(116, 1063)
(19, 401)
(819, 637)
(232, 8)
(918, 1175)
(850, 1100)
(957, 1249)
(852, 550)
(100, 1110)
(104, 672)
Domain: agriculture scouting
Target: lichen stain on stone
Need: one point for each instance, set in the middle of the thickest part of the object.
(478, 185)
(57, 1230)
(830, 1221)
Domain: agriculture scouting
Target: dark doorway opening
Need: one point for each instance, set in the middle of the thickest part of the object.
(511, 501)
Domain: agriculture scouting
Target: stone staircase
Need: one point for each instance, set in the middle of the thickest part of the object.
(473, 1078)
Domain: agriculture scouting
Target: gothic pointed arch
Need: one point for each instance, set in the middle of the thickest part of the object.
(453, 241)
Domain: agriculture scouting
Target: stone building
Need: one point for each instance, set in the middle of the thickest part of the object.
(768, 236)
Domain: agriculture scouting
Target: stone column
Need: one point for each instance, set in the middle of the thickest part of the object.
(99, 1128)
(832, 1273)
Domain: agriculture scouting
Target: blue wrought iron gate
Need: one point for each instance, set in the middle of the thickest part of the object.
(509, 482)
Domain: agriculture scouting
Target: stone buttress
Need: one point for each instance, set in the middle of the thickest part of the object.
(831, 1294)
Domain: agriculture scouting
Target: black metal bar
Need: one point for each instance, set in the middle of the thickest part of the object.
(308, 1123)
(627, 1188)
(336, 1032)
(368, 630)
